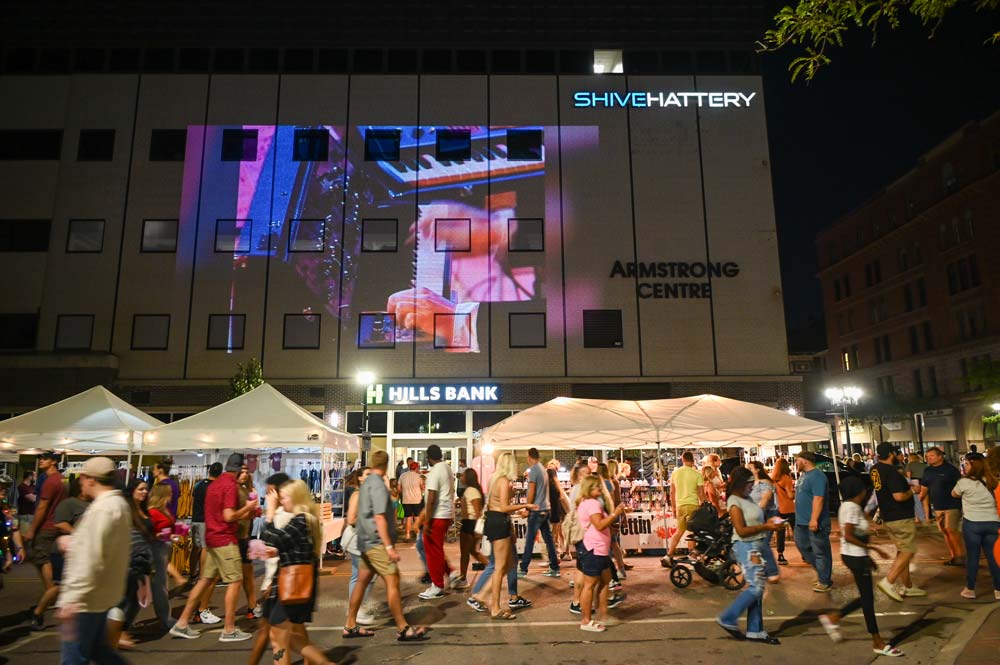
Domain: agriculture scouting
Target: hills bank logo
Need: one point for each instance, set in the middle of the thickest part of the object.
(586, 99)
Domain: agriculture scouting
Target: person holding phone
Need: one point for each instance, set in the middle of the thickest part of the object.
(594, 551)
(854, 549)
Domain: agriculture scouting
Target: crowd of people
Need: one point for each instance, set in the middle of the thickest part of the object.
(103, 552)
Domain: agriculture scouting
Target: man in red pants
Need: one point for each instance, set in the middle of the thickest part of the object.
(439, 512)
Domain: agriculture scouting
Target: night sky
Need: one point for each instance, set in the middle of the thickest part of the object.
(862, 123)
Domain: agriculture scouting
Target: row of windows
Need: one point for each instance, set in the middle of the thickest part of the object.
(422, 422)
(376, 330)
(919, 287)
(370, 60)
(963, 274)
(970, 322)
(240, 145)
(524, 234)
(914, 335)
(957, 232)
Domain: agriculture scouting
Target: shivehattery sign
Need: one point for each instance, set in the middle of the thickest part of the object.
(586, 99)
(437, 393)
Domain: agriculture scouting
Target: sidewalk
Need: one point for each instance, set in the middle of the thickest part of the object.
(984, 647)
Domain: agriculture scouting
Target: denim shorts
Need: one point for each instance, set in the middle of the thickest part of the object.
(590, 564)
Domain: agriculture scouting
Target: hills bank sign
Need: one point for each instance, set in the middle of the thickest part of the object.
(586, 99)
(438, 393)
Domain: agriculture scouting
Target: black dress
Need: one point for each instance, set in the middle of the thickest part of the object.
(295, 546)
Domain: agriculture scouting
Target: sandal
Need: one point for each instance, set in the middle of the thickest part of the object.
(410, 634)
(357, 631)
(593, 627)
(832, 629)
(504, 615)
(888, 650)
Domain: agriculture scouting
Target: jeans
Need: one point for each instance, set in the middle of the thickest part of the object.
(484, 577)
(419, 543)
(751, 598)
(861, 568)
(815, 550)
(437, 564)
(161, 600)
(770, 562)
(355, 564)
(538, 520)
(790, 517)
(980, 536)
(89, 642)
(918, 509)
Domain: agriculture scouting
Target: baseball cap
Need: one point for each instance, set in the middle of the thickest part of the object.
(48, 454)
(234, 462)
(884, 449)
(807, 455)
(98, 467)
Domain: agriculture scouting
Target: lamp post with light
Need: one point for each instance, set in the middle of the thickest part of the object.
(365, 379)
(844, 397)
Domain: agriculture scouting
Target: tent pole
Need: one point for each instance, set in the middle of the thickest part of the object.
(128, 469)
(658, 474)
(322, 495)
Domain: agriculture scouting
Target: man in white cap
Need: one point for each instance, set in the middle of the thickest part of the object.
(93, 581)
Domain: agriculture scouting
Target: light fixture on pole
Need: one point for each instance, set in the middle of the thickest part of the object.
(844, 397)
(995, 406)
(365, 379)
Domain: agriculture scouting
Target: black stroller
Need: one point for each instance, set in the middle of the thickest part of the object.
(710, 552)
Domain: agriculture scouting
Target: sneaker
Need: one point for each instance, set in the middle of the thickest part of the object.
(521, 574)
(888, 589)
(460, 583)
(552, 572)
(782, 561)
(616, 600)
(822, 588)
(454, 579)
(912, 592)
(476, 605)
(235, 636)
(365, 618)
(432, 593)
(832, 629)
(208, 618)
(614, 586)
(518, 603)
(574, 608)
(37, 622)
(258, 612)
(426, 578)
(186, 632)
(968, 593)
(667, 561)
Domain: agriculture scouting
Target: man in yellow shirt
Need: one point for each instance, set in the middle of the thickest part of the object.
(686, 494)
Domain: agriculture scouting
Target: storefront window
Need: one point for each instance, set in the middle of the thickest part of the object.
(378, 422)
(483, 419)
(447, 422)
(411, 422)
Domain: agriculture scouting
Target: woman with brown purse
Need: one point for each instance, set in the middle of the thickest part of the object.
(292, 600)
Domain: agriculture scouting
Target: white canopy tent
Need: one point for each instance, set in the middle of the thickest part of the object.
(702, 421)
(95, 420)
(260, 419)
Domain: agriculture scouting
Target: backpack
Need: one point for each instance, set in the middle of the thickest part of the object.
(572, 529)
(705, 518)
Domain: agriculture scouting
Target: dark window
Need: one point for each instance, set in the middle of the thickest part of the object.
(484, 419)
(379, 235)
(239, 145)
(877, 268)
(150, 332)
(54, 61)
(194, 59)
(263, 60)
(453, 235)
(914, 340)
(453, 145)
(302, 331)
(877, 342)
(85, 236)
(378, 422)
(952, 270)
(526, 234)
(24, 235)
(96, 145)
(921, 292)
(368, 60)
(306, 235)
(470, 62)
(524, 144)
(855, 357)
(928, 336)
(226, 332)
(918, 384)
(167, 145)
(74, 332)
(158, 60)
(311, 145)
(377, 330)
(452, 331)
(233, 235)
(506, 61)
(908, 298)
(932, 383)
(30, 144)
(602, 329)
(447, 422)
(299, 60)
(904, 260)
(18, 331)
(229, 59)
(437, 61)
(836, 290)
(847, 286)
(869, 276)
(886, 348)
(159, 235)
(527, 330)
(382, 145)
(973, 270)
(411, 422)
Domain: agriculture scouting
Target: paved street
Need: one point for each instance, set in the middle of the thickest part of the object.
(657, 622)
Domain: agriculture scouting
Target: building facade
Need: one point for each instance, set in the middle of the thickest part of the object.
(910, 294)
(531, 235)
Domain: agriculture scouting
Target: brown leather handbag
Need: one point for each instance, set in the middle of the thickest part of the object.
(295, 584)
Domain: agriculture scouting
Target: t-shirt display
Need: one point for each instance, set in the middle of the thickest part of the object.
(537, 475)
(978, 504)
(440, 479)
(596, 540)
(374, 500)
(887, 480)
(940, 481)
(852, 513)
(687, 480)
(810, 485)
(222, 493)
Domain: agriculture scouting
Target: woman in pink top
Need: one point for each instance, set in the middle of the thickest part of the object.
(593, 552)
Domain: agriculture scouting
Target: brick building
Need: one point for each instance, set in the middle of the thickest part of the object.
(910, 294)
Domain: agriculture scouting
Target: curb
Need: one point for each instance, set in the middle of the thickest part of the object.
(955, 646)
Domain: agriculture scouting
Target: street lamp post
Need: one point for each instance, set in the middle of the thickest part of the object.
(365, 379)
(843, 397)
